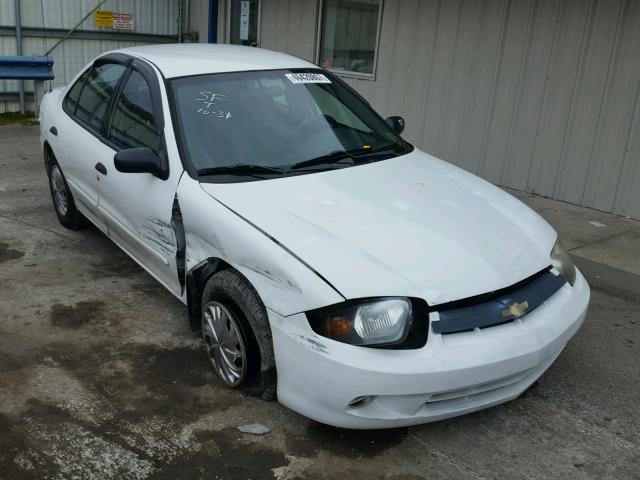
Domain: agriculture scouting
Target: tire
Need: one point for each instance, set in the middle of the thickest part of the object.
(228, 298)
(63, 202)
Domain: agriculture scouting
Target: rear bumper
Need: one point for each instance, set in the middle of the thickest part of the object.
(451, 375)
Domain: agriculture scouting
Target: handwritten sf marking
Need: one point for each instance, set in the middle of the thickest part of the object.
(209, 98)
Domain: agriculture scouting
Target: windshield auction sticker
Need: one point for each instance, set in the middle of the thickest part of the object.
(307, 78)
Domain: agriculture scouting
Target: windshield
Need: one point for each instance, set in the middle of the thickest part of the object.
(289, 121)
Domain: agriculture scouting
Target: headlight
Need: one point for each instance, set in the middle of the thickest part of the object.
(377, 322)
(561, 261)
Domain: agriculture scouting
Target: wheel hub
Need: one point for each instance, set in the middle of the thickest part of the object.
(59, 190)
(224, 343)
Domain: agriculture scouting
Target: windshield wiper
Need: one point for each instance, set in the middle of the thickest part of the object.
(333, 158)
(336, 156)
(240, 169)
(366, 153)
(355, 156)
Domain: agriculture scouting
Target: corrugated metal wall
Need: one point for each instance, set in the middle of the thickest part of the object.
(537, 95)
(289, 26)
(157, 17)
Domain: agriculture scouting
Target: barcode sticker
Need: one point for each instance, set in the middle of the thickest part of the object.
(307, 78)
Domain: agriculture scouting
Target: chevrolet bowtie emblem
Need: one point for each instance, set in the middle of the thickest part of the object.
(515, 310)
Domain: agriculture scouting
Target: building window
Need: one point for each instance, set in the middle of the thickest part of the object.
(349, 33)
(243, 22)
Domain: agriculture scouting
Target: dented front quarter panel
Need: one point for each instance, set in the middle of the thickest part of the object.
(284, 284)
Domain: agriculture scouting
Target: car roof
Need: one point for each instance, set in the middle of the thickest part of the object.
(183, 59)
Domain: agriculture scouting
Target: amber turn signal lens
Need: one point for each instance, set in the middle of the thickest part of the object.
(338, 326)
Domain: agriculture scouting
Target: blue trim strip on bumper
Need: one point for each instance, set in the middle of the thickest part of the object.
(497, 311)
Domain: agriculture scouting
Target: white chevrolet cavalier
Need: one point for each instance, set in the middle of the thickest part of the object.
(325, 259)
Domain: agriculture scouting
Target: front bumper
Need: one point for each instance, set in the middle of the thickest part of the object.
(451, 375)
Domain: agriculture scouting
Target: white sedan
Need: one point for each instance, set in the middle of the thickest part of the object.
(325, 260)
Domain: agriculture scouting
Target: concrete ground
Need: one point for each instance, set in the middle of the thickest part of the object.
(100, 376)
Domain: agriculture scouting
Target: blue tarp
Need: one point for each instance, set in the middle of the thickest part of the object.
(26, 68)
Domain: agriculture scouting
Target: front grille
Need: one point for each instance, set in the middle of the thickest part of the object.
(491, 309)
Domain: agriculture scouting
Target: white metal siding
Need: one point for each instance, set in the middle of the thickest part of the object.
(538, 95)
(157, 17)
(289, 26)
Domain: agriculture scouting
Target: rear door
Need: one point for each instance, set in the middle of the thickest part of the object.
(138, 207)
(79, 147)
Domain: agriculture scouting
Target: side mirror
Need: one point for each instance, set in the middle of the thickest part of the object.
(396, 123)
(140, 160)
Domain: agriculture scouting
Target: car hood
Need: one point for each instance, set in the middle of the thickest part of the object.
(412, 225)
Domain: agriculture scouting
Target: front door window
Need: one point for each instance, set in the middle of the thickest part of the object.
(243, 22)
(133, 123)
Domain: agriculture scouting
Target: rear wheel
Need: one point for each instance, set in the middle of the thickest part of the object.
(63, 202)
(237, 336)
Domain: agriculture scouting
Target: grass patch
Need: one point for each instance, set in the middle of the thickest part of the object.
(13, 117)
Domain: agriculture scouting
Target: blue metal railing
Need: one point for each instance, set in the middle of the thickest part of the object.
(26, 68)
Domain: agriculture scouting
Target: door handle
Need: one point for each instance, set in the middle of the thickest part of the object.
(101, 168)
(54, 131)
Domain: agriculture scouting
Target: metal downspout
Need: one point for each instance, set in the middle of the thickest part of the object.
(187, 17)
(213, 21)
(19, 51)
(180, 19)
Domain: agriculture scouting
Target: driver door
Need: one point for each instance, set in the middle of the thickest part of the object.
(137, 207)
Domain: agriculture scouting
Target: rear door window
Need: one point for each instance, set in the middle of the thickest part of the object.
(133, 123)
(71, 100)
(96, 94)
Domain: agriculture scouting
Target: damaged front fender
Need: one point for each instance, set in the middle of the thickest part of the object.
(212, 231)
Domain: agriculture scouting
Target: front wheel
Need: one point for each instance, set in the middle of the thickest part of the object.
(225, 343)
(237, 336)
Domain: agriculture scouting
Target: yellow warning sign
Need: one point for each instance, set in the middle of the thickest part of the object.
(104, 18)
